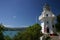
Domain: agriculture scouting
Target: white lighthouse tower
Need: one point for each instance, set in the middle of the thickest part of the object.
(47, 19)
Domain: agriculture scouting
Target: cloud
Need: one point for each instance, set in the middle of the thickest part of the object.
(22, 26)
(10, 26)
(14, 17)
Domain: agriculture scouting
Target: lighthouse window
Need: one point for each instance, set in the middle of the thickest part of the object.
(53, 26)
(47, 22)
(47, 30)
(46, 14)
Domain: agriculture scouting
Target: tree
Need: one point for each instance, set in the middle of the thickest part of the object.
(35, 31)
(7, 38)
(58, 18)
(58, 23)
(48, 38)
(1, 32)
(31, 33)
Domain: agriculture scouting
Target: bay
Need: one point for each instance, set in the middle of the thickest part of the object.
(10, 33)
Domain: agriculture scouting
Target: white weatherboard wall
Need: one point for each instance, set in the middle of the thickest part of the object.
(47, 19)
(42, 25)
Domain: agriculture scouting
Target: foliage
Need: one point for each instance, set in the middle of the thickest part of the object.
(7, 38)
(31, 33)
(48, 38)
(1, 28)
(1, 32)
(58, 18)
(58, 23)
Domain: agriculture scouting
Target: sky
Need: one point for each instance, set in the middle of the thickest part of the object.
(23, 13)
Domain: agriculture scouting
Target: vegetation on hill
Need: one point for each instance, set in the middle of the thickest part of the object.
(31, 33)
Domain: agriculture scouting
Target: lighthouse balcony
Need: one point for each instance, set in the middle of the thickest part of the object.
(41, 17)
(44, 17)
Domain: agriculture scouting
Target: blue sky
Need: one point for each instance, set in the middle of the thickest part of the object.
(21, 13)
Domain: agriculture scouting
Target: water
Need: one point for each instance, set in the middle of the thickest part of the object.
(10, 33)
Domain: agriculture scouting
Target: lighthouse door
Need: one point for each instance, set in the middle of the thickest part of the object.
(47, 30)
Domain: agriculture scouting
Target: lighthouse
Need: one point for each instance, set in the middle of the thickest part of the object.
(47, 19)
